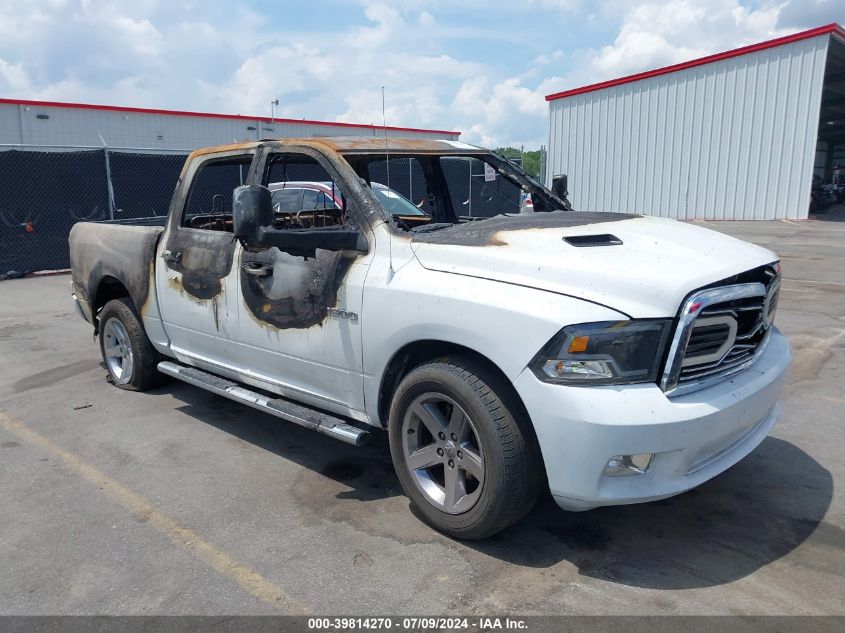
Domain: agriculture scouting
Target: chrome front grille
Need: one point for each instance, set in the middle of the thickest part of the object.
(707, 339)
(721, 331)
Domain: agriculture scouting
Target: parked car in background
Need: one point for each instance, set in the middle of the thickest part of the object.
(525, 204)
(822, 196)
(298, 195)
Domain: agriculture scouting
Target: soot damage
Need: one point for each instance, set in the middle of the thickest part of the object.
(125, 253)
(203, 257)
(286, 291)
(483, 232)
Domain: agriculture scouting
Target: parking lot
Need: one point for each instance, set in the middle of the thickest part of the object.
(179, 502)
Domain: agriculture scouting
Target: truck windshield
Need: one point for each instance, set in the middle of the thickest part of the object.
(395, 202)
(450, 188)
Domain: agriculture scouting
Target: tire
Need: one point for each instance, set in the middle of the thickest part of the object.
(133, 367)
(500, 437)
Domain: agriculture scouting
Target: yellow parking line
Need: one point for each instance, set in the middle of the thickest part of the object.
(248, 579)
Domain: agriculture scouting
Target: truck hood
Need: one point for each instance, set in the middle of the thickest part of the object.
(658, 262)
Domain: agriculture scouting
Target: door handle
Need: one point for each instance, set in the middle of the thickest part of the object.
(171, 258)
(257, 269)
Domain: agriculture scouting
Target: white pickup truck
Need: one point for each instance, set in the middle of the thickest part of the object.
(615, 358)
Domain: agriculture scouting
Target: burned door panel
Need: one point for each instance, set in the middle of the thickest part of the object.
(198, 289)
(296, 312)
(301, 324)
(285, 291)
(197, 277)
(203, 258)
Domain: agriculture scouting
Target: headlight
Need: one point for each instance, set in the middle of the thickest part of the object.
(608, 352)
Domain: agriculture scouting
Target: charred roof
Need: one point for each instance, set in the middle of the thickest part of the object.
(361, 145)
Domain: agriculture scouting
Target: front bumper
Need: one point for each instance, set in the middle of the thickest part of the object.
(694, 437)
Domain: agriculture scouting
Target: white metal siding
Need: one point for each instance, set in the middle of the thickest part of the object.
(93, 127)
(734, 139)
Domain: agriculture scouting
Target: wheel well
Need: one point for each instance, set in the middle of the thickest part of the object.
(417, 353)
(109, 288)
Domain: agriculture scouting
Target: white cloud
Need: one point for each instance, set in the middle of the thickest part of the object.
(806, 14)
(655, 34)
(13, 79)
(565, 6)
(443, 63)
(426, 19)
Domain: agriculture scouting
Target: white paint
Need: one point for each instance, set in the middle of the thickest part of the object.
(734, 139)
(579, 429)
(659, 262)
(461, 145)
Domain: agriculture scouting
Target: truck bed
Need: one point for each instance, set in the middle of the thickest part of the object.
(124, 252)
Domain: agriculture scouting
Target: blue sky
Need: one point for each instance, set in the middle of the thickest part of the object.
(479, 67)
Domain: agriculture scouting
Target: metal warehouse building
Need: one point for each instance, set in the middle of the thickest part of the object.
(50, 124)
(736, 135)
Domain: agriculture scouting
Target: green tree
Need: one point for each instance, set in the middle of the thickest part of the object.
(530, 159)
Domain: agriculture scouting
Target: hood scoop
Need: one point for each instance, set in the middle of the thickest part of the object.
(603, 239)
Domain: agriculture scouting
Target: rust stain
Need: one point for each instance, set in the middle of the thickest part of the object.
(215, 309)
(151, 284)
(207, 258)
(349, 144)
(175, 282)
(376, 145)
(298, 293)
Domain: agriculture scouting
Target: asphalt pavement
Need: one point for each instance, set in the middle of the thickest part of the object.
(179, 502)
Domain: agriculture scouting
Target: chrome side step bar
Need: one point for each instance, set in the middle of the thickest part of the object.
(313, 419)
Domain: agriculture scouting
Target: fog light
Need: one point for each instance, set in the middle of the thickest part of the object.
(622, 465)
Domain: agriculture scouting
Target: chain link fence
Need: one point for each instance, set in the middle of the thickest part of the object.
(474, 192)
(46, 191)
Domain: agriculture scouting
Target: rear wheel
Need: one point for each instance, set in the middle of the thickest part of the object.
(463, 449)
(129, 356)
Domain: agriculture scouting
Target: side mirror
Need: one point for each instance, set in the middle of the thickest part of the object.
(253, 217)
(252, 210)
(559, 186)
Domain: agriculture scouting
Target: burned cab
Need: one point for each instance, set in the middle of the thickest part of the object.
(350, 284)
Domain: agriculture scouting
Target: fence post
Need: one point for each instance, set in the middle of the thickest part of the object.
(469, 195)
(108, 182)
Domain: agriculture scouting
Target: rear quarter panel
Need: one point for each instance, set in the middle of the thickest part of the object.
(126, 253)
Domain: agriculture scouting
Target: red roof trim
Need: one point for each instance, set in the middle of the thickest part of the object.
(752, 48)
(212, 115)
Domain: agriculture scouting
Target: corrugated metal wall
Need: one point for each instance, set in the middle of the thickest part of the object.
(735, 139)
(20, 124)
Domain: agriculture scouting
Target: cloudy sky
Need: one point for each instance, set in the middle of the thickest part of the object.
(481, 67)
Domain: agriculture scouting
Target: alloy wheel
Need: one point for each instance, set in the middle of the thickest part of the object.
(442, 452)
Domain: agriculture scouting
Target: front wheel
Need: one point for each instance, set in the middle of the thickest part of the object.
(463, 449)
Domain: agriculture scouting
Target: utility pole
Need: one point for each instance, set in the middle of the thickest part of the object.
(273, 104)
